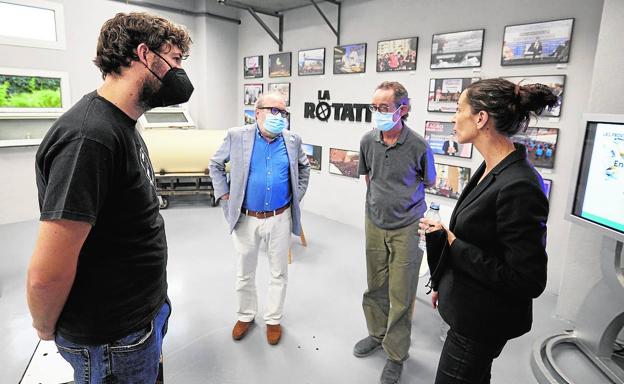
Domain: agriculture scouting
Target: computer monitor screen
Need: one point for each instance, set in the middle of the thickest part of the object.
(599, 195)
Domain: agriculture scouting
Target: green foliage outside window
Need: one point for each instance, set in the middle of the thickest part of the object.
(29, 92)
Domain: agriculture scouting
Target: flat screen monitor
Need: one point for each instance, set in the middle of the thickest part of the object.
(598, 198)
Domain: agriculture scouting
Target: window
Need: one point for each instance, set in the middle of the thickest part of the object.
(32, 23)
(24, 91)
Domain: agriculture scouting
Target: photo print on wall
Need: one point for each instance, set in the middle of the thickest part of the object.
(457, 49)
(397, 55)
(283, 89)
(250, 116)
(442, 140)
(280, 64)
(314, 154)
(312, 62)
(541, 145)
(350, 58)
(547, 187)
(537, 43)
(252, 67)
(450, 181)
(344, 162)
(251, 93)
(444, 93)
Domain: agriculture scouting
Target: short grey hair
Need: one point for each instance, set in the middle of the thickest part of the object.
(268, 95)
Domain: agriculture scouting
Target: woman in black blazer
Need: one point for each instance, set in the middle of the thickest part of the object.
(492, 262)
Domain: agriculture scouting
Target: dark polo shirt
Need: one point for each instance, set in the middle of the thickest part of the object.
(395, 197)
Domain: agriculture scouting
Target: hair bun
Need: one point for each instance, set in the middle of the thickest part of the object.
(535, 98)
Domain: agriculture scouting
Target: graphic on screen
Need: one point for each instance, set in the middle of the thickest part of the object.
(442, 140)
(603, 200)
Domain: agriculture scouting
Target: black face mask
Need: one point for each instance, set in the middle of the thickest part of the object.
(176, 87)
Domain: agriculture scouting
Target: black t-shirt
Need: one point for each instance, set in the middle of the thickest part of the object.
(93, 166)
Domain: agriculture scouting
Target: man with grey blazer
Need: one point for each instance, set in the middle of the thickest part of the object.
(268, 177)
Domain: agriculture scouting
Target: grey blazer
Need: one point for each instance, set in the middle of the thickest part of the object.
(236, 149)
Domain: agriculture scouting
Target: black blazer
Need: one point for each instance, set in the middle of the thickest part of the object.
(497, 263)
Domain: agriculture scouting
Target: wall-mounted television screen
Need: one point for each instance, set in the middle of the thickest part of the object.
(598, 198)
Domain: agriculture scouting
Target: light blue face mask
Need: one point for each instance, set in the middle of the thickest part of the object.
(275, 124)
(384, 121)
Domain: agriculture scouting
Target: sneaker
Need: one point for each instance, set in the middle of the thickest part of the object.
(366, 346)
(391, 373)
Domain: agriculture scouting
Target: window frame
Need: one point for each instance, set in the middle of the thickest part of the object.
(59, 23)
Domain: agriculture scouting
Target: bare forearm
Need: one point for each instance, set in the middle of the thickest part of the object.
(52, 271)
(46, 301)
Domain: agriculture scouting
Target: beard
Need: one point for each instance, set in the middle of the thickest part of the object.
(150, 86)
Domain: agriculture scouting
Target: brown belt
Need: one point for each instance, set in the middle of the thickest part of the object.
(265, 214)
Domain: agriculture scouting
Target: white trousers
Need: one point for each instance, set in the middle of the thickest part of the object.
(249, 234)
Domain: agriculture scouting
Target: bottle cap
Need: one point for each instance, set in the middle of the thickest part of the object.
(435, 206)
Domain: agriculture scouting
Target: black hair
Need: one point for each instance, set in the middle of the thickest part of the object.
(510, 105)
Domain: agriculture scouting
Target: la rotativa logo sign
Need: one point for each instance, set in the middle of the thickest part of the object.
(341, 111)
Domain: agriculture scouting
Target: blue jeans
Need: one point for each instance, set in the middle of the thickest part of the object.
(466, 361)
(131, 359)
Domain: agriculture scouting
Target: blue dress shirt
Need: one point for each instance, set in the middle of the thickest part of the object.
(268, 185)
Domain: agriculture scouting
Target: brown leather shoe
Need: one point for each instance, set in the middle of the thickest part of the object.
(241, 328)
(274, 333)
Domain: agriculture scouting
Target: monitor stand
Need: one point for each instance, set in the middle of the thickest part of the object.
(585, 354)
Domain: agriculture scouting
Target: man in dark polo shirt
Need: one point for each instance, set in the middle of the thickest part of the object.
(397, 164)
(97, 281)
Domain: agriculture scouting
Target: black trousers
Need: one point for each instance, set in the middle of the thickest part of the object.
(466, 361)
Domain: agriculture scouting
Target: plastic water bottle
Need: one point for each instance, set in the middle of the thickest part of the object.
(432, 213)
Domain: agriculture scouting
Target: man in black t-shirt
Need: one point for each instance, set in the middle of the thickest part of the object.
(97, 278)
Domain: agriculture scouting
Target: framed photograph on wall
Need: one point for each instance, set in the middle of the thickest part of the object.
(457, 49)
(444, 93)
(251, 93)
(314, 154)
(537, 43)
(250, 116)
(556, 83)
(350, 58)
(344, 162)
(547, 187)
(27, 91)
(311, 62)
(252, 67)
(283, 88)
(280, 64)
(541, 145)
(450, 180)
(442, 140)
(397, 55)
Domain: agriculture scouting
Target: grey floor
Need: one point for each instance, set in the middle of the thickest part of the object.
(323, 316)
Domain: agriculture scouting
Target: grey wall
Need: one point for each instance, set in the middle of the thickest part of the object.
(341, 198)
(582, 271)
(209, 66)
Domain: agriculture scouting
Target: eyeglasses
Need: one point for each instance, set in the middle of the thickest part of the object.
(383, 108)
(275, 111)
